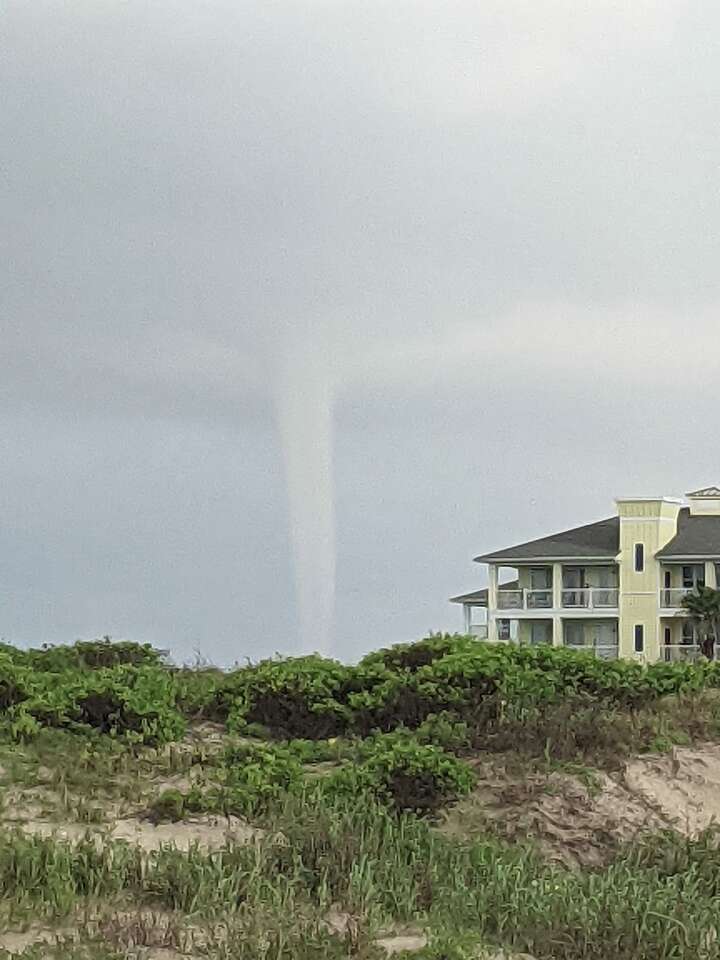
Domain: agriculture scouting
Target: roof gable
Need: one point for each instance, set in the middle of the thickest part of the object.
(697, 536)
(711, 493)
(593, 540)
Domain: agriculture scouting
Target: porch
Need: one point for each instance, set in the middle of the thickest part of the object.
(557, 587)
(679, 579)
(598, 636)
(680, 640)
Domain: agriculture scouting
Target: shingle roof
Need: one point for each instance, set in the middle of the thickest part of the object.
(601, 539)
(697, 536)
(481, 596)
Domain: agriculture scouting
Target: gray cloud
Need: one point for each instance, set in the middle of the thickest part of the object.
(492, 230)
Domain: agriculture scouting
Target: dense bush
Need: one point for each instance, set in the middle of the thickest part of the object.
(451, 690)
(137, 703)
(85, 655)
(248, 778)
(412, 656)
(418, 776)
(302, 697)
(399, 770)
(13, 682)
(200, 691)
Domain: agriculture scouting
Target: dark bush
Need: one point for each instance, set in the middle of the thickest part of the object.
(97, 654)
(412, 656)
(292, 698)
(13, 683)
(137, 703)
(168, 806)
(87, 655)
(407, 774)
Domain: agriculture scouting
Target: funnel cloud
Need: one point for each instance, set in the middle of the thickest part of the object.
(305, 420)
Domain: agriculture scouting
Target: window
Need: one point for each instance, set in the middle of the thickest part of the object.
(541, 631)
(639, 557)
(574, 634)
(540, 578)
(639, 638)
(688, 633)
(503, 629)
(693, 576)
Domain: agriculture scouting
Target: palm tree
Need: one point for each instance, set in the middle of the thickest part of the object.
(703, 607)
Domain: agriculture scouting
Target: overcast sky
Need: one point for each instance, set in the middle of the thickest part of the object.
(488, 231)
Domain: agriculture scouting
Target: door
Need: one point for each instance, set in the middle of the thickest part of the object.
(603, 581)
(667, 634)
(604, 577)
(573, 583)
(605, 640)
(667, 581)
(574, 633)
(540, 587)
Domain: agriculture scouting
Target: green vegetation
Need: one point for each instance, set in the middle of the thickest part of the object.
(703, 606)
(346, 773)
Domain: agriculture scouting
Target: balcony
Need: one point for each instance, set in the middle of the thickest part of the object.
(589, 598)
(680, 652)
(671, 598)
(525, 599)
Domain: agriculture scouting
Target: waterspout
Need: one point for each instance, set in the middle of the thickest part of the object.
(304, 410)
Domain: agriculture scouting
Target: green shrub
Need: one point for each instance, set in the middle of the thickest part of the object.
(420, 776)
(13, 682)
(412, 656)
(85, 655)
(251, 777)
(407, 774)
(169, 805)
(453, 677)
(198, 692)
(96, 654)
(444, 730)
(137, 703)
(299, 697)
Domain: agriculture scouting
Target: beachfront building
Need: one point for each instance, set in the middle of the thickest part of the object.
(614, 586)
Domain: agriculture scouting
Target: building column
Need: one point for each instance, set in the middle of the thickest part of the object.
(710, 574)
(467, 610)
(557, 586)
(493, 586)
(557, 638)
(492, 602)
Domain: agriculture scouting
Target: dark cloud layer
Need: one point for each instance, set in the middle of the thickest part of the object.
(494, 228)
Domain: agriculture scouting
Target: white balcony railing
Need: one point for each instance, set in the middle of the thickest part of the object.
(525, 599)
(671, 598)
(511, 600)
(604, 651)
(683, 652)
(591, 598)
